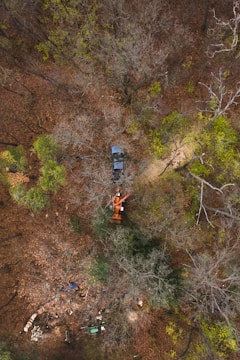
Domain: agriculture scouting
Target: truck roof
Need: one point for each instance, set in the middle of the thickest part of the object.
(116, 150)
(118, 165)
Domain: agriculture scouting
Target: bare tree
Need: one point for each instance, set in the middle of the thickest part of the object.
(135, 40)
(149, 273)
(231, 26)
(132, 60)
(212, 283)
(220, 97)
(203, 207)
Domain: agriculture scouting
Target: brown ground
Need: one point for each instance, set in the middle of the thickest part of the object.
(39, 254)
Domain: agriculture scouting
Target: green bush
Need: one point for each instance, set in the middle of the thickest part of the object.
(46, 148)
(221, 338)
(14, 158)
(192, 208)
(35, 199)
(199, 169)
(75, 223)
(160, 205)
(6, 159)
(4, 178)
(5, 355)
(148, 266)
(174, 126)
(100, 270)
(157, 147)
(19, 156)
(18, 193)
(220, 144)
(53, 176)
(155, 89)
(44, 49)
(189, 87)
(100, 223)
(71, 30)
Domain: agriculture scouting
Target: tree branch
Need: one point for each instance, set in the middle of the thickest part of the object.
(218, 211)
(220, 97)
(231, 25)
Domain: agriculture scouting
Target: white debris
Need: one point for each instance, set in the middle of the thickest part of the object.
(36, 333)
(67, 336)
(99, 317)
(30, 322)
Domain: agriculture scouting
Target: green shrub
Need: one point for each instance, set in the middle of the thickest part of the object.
(44, 49)
(19, 156)
(14, 158)
(189, 88)
(18, 193)
(173, 331)
(155, 89)
(220, 144)
(46, 148)
(35, 199)
(53, 176)
(160, 205)
(71, 29)
(199, 169)
(6, 159)
(100, 270)
(157, 147)
(5, 355)
(148, 266)
(154, 275)
(100, 223)
(75, 223)
(192, 208)
(174, 126)
(4, 178)
(221, 337)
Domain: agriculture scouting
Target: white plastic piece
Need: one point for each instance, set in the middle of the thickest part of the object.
(30, 322)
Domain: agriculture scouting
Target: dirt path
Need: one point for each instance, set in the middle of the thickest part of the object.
(180, 153)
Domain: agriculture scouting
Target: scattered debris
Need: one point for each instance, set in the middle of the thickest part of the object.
(73, 286)
(96, 329)
(99, 317)
(67, 336)
(36, 333)
(30, 322)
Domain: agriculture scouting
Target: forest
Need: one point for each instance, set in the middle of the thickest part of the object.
(159, 79)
